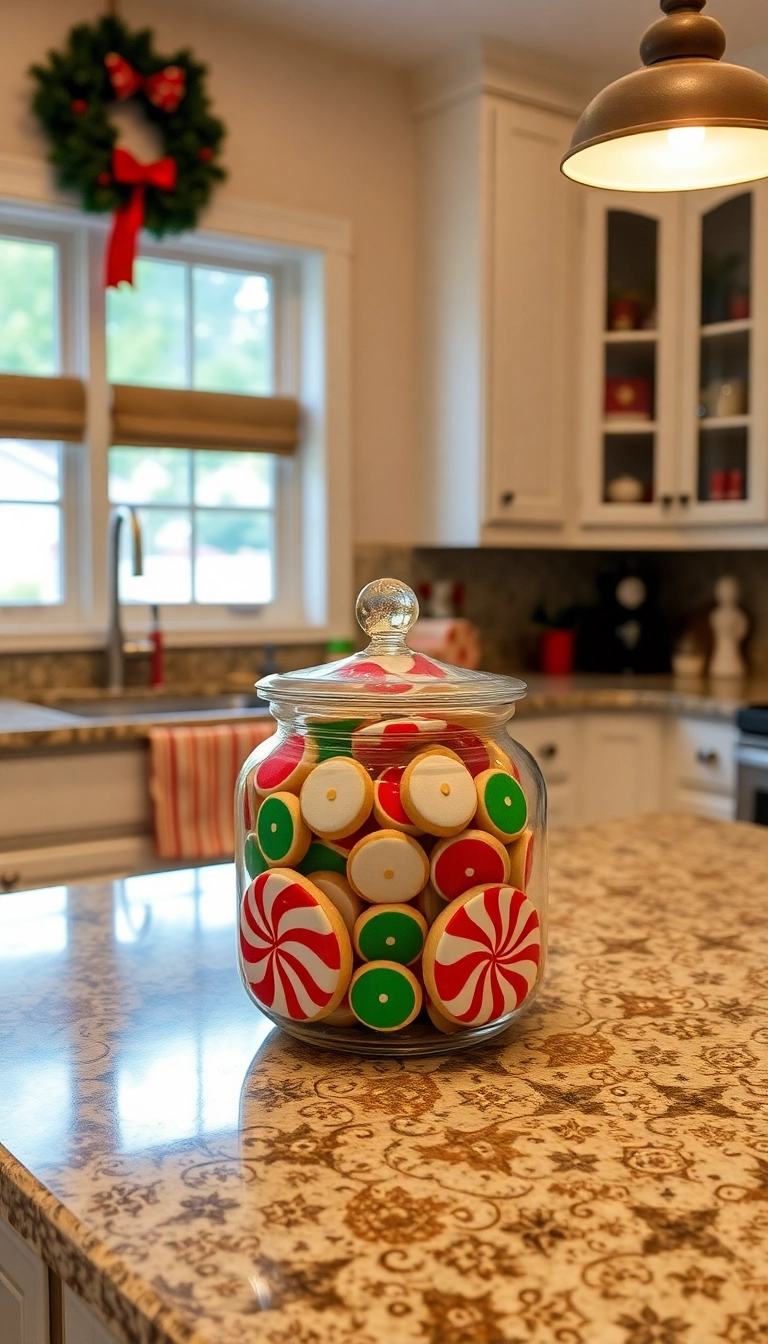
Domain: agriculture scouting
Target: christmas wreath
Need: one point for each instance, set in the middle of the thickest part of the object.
(103, 63)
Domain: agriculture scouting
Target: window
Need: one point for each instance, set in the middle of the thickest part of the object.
(30, 473)
(241, 546)
(207, 518)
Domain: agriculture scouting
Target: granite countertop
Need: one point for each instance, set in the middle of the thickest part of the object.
(27, 726)
(597, 1175)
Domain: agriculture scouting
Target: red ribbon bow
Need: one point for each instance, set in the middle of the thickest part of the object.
(127, 221)
(165, 89)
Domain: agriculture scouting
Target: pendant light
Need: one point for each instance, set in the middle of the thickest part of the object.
(686, 121)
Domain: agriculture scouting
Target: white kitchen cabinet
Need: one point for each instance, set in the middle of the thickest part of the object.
(623, 765)
(702, 768)
(81, 1325)
(675, 304)
(554, 743)
(72, 814)
(613, 764)
(499, 238)
(23, 1291)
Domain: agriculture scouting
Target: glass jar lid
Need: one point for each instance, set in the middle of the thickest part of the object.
(388, 672)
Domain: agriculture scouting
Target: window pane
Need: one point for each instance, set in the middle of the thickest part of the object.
(233, 557)
(147, 327)
(29, 470)
(238, 479)
(149, 476)
(232, 331)
(30, 554)
(167, 545)
(28, 307)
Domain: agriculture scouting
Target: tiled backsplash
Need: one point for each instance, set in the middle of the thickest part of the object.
(24, 673)
(502, 588)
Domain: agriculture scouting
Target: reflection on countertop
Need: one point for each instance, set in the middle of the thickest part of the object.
(52, 724)
(181, 1162)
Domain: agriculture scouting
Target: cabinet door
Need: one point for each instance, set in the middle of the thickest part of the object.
(724, 439)
(553, 741)
(530, 212)
(623, 772)
(630, 365)
(81, 1326)
(23, 1291)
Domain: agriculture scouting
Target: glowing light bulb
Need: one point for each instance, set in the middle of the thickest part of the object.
(685, 138)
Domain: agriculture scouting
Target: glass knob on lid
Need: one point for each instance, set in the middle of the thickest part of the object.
(386, 610)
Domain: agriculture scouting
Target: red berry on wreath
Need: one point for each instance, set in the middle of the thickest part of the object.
(79, 106)
(205, 153)
(104, 179)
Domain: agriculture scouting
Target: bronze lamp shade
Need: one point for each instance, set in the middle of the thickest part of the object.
(685, 121)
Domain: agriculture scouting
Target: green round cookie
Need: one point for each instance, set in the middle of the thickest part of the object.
(390, 933)
(283, 837)
(322, 858)
(384, 995)
(504, 802)
(254, 859)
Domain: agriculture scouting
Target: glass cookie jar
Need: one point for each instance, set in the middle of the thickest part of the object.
(391, 850)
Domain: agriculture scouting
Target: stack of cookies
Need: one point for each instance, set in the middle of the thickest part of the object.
(388, 864)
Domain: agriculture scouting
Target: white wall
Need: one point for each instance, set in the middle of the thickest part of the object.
(315, 130)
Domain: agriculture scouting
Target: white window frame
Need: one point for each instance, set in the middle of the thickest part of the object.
(312, 255)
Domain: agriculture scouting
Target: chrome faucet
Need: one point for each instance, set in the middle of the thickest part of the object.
(116, 646)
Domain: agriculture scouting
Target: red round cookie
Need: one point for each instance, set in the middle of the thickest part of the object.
(467, 860)
(521, 853)
(295, 952)
(481, 958)
(387, 804)
(286, 767)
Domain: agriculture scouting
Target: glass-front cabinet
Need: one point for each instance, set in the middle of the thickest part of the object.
(629, 351)
(675, 414)
(724, 431)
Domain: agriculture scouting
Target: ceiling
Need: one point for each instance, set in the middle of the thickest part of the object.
(602, 34)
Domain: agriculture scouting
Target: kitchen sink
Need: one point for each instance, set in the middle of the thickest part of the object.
(159, 706)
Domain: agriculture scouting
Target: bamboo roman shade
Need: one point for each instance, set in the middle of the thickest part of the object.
(155, 417)
(41, 408)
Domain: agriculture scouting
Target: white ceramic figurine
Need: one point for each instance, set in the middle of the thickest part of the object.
(729, 628)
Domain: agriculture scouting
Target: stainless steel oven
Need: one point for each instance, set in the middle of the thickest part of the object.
(752, 765)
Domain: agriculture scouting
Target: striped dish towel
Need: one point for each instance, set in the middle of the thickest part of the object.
(192, 779)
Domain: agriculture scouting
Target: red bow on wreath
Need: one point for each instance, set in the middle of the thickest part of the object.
(164, 90)
(121, 248)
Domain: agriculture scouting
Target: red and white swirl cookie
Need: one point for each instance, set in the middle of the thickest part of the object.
(482, 954)
(467, 860)
(387, 804)
(295, 952)
(393, 741)
(286, 767)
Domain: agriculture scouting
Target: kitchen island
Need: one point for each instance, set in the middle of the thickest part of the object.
(598, 1175)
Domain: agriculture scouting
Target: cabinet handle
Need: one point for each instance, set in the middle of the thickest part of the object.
(684, 500)
(508, 497)
(9, 880)
(548, 752)
(667, 501)
(707, 756)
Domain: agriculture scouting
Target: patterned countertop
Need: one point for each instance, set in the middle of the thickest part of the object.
(25, 726)
(597, 1176)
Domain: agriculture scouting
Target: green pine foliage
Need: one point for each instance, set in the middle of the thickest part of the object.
(82, 140)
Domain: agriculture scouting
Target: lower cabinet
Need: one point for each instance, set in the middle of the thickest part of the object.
(24, 1314)
(81, 1326)
(29, 1312)
(603, 765)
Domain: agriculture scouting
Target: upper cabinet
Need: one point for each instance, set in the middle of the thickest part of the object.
(674, 418)
(499, 250)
